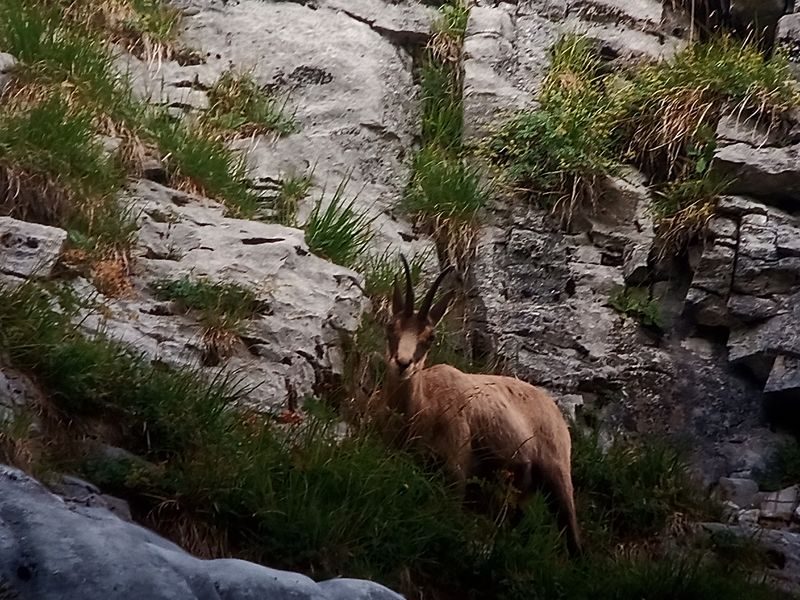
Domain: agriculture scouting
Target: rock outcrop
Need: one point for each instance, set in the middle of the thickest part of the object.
(540, 295)
(51, 550)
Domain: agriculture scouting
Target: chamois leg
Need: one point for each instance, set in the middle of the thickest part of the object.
(563, 503)
(557, 487)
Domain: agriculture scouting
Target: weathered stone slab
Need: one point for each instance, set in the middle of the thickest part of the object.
(29, 249)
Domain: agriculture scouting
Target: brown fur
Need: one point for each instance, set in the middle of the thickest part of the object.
(462, 417)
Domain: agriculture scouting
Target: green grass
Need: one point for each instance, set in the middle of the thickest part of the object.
(444, 189)
(337, 230)
(380, 271)
(54, 49)
(299, 498)
(783, 469)
(229, 299)
(661, 117)
(219, 307)
(636, 303)
(237, 103)
(442, 107)
(558, 154)
(55, 171)
(282, 207)
(200, 156)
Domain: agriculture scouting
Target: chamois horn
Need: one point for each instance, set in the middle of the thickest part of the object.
(428, 300)
(409, 304)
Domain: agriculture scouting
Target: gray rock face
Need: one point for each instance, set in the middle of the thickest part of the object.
(767, 173)
(780, 505)
(540, 296)
(307, 302)
(345, 68)
(50, 550)
(7, 63)
(742, 492)
(29, 249)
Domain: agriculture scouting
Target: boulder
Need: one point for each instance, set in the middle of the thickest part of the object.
(305, 303)
(771, 174)
(51, 550)
(784, 378)
(780, 505)
(29, 249)
(742, 492)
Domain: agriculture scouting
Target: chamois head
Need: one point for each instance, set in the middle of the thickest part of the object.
(410, 334)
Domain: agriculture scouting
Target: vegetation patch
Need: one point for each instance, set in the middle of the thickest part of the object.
(238, 104)
(220, 307)
(783, 468)
(337, 230)
(227, 483)
(199, 161)
(637, 303)
(661, 117)
(283, 206)
(445, 195)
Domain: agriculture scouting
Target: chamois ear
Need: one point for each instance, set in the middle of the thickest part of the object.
(440, 308)
(397, 298)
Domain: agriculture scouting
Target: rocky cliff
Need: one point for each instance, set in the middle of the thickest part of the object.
(720, 371)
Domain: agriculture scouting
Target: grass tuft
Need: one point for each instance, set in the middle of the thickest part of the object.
(238, 104)
(660, 116)
(637, 303)
(200, 162)
(221, 308)
(337, 230)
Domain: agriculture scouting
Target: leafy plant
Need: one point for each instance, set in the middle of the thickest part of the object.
(636, 302)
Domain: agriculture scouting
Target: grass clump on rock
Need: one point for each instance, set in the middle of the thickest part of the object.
(661, 117)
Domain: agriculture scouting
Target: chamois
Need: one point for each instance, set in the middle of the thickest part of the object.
(474, 423)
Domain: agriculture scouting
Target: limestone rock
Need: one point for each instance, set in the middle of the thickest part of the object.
(780, 505)
(306, 303)
(51, 550)
(749, 517)
(7, 63)
(742, 492)
(404, 23)
(784, 378)
(76, 492)
(505, 60)
(29, 249)
(347, 80)
(768, 173)
(758, 346)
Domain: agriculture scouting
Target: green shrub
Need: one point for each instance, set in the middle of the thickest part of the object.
(783, 468)
(660, 116)
(561, 152)
(337, 230)
(636, 302)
